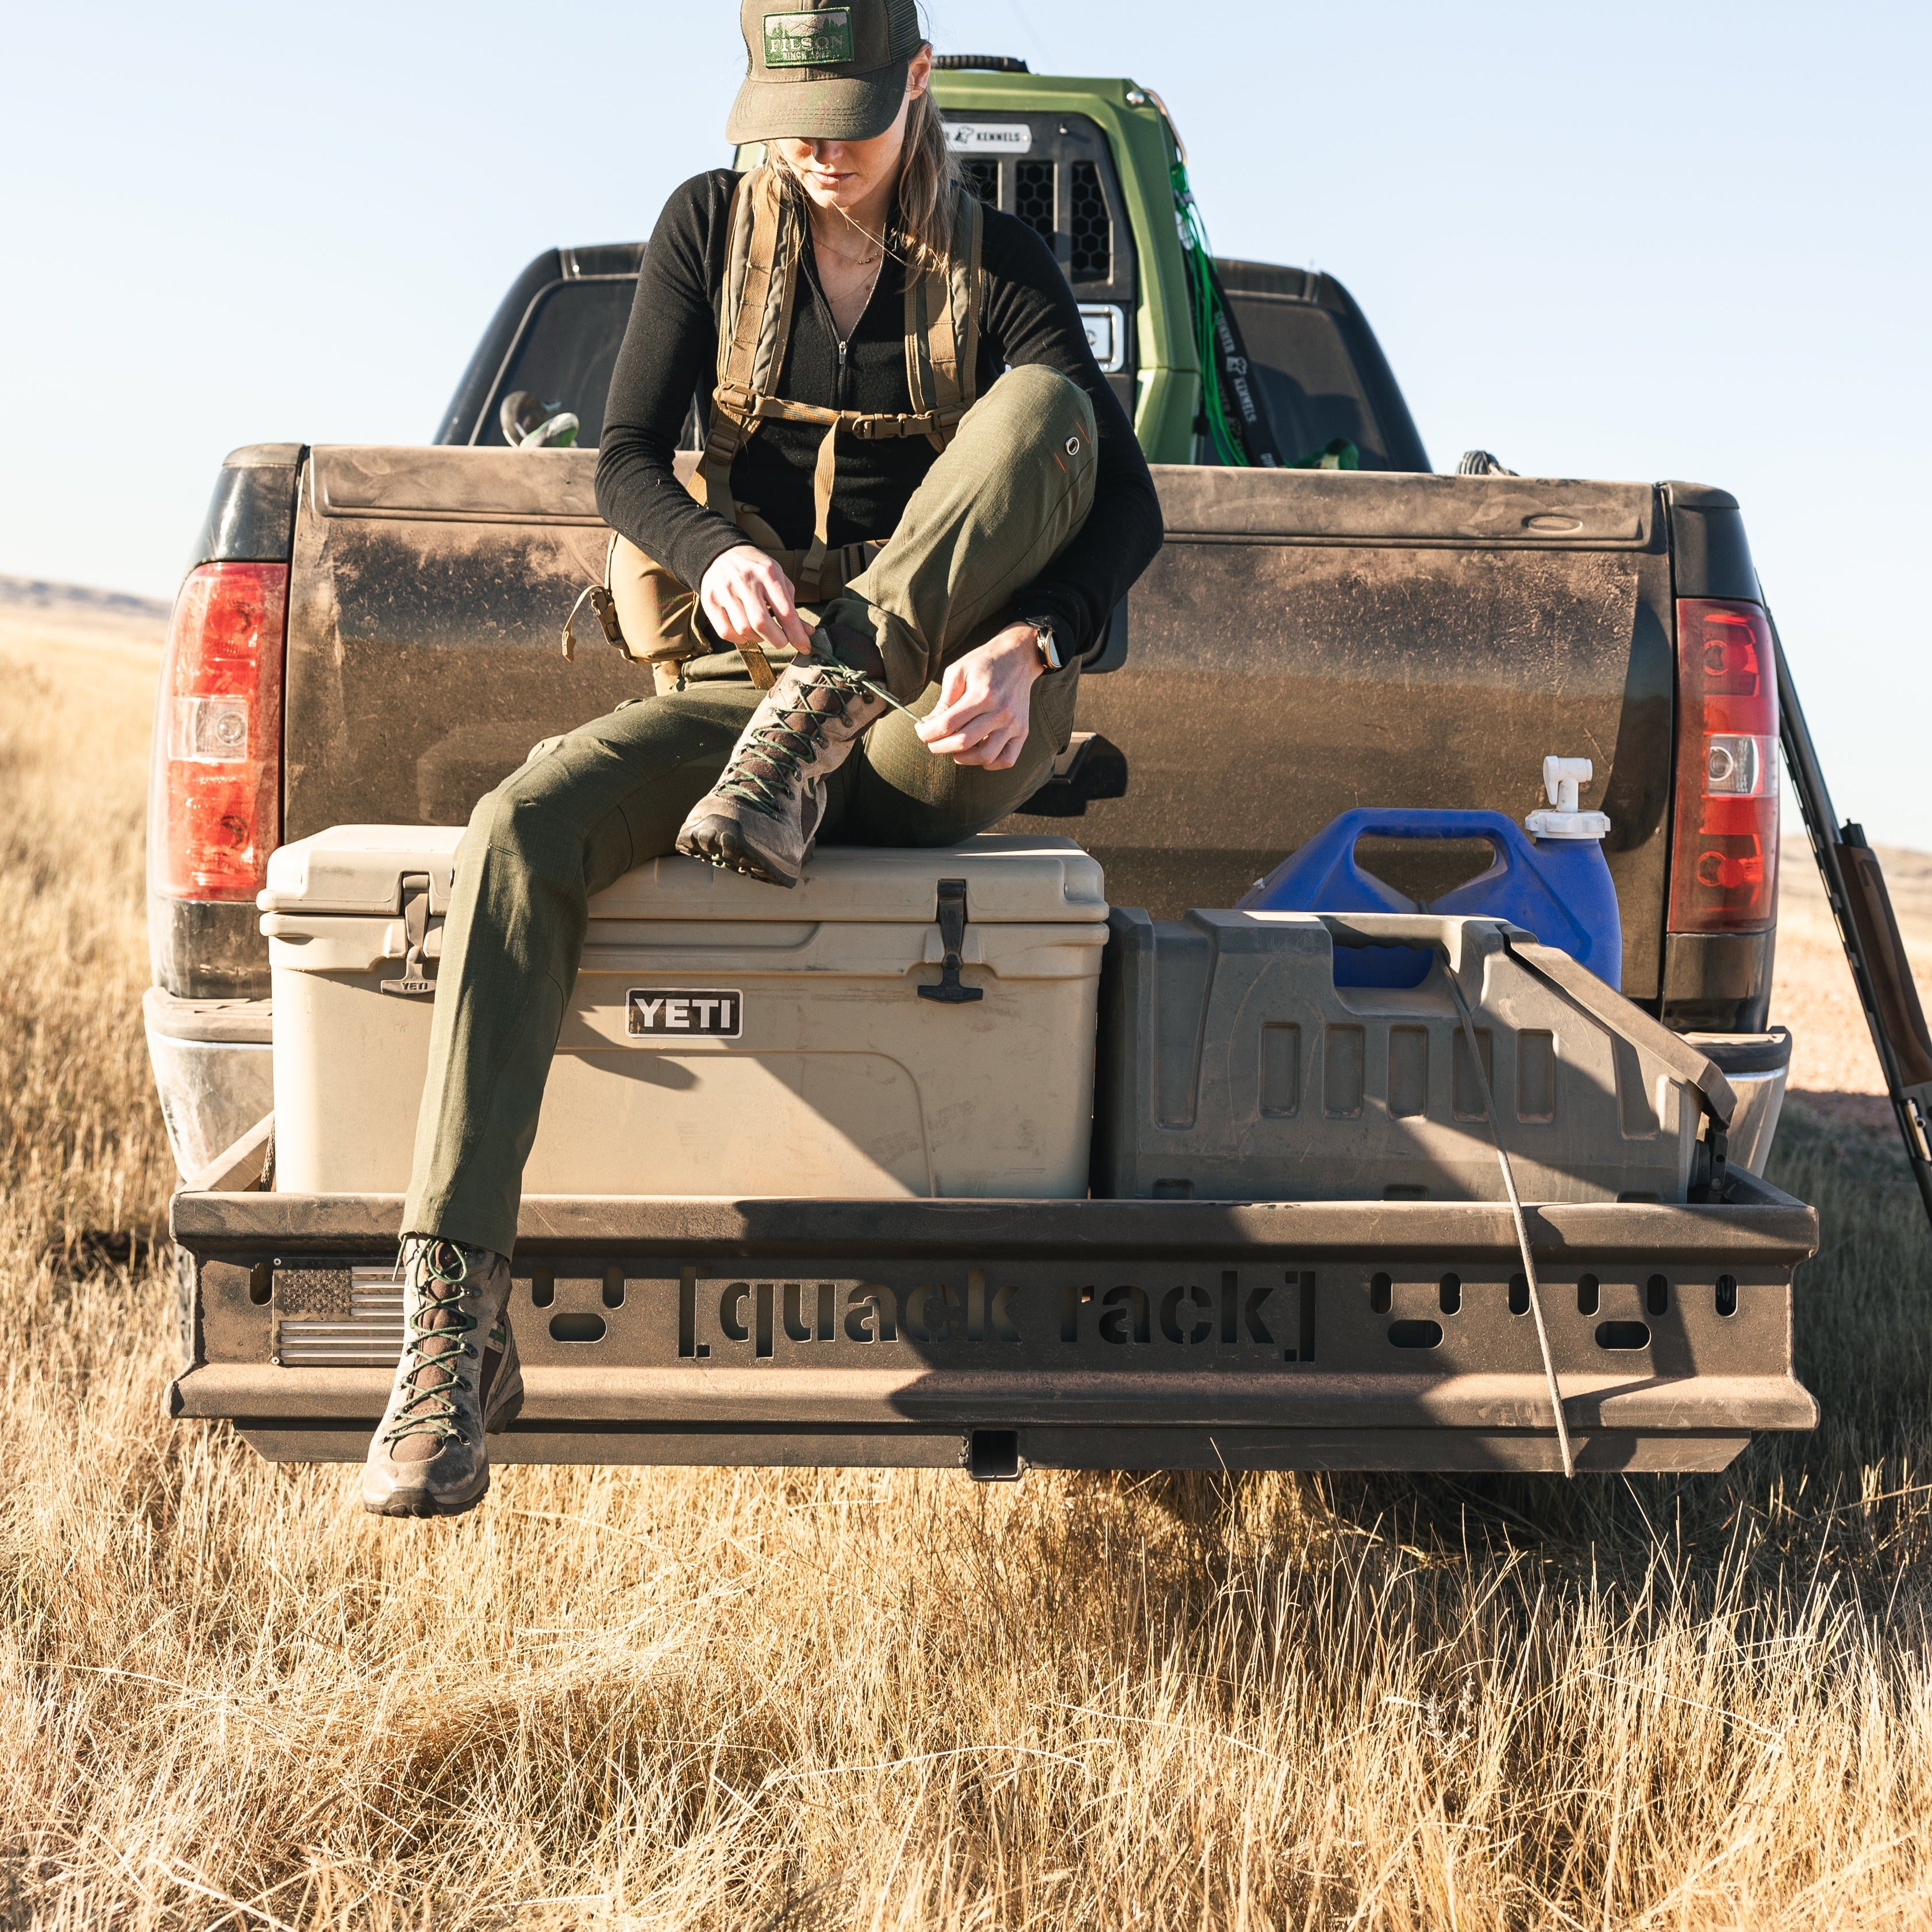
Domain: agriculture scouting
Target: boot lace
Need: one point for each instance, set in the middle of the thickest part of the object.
(785, 745)
(431, 1409)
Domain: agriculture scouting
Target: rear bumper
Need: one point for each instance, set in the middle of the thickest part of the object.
(1003, 1334)
(1757, 1065)
(213, 1065)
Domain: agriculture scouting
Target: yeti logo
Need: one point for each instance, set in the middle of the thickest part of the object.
(714, 1012)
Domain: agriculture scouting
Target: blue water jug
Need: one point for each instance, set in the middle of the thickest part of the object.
(1557, 887)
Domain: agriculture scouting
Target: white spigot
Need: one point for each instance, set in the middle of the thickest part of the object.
(1561, 779)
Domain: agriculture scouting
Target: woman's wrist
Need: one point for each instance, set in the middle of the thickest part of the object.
(1018, 644)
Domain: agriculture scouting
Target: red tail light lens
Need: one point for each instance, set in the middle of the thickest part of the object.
(1723, 868)
(214, 815)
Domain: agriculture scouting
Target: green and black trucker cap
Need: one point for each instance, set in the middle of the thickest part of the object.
(824, 73)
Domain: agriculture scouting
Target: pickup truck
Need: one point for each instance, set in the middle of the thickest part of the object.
(370, 635)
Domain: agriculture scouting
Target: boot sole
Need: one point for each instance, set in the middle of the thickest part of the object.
(418, 1504)
(719, 841)
(421, 1504)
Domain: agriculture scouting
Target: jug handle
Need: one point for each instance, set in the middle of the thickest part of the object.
(1505, 833)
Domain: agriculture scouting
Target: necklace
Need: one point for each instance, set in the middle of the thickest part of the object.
(871, 286)
(845, 261)
(875, 250)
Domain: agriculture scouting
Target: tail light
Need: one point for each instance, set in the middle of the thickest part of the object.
(214, 815)
(1723, 868)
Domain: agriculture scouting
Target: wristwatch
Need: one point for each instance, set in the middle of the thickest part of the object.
(1051, 654)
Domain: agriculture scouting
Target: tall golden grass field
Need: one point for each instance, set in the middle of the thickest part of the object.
(754, 1700)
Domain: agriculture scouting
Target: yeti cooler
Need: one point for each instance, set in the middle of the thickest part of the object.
(904, 1023)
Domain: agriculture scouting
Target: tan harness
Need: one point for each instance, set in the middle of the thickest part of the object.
(645, 611)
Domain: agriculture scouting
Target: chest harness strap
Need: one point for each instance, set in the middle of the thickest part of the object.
(755, 305)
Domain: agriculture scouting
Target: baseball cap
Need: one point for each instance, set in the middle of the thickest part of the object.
(824, 73)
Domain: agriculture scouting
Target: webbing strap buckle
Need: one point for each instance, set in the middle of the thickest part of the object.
(736, 402)
(888, 428)
(603, 607)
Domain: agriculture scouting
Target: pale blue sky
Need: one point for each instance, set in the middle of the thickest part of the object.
(1643, 240)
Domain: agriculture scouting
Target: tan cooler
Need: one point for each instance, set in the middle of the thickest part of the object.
(726, 1037)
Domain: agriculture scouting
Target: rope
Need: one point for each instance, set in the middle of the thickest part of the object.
(1204, 302)
(1233, 412)
(1522, 1229)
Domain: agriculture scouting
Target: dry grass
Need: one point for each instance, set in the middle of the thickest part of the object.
(1833, 1065)
(757, 1700)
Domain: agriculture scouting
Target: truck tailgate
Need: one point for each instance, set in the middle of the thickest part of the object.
(1306, 642)
(1310, 641)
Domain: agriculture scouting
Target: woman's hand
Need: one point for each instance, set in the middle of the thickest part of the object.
(986, 702)
(749, 599)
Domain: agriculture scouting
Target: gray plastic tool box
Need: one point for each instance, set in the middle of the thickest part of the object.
(1232, 1067)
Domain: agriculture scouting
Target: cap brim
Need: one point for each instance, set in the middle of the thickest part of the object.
(856, 108)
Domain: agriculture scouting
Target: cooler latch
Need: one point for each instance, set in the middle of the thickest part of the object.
(416, 936)
(951, 919)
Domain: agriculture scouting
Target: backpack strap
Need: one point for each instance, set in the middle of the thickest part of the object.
(754, 308)
(942, 326)
(755, 315)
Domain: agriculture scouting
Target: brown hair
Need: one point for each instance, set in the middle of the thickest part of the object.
(928, 178)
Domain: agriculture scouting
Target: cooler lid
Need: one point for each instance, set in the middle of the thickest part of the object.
(1010, 879)
(360, 868)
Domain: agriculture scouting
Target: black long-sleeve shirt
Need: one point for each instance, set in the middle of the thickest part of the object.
(669, 354)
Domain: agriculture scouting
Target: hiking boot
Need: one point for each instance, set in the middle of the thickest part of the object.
(457, 1380)
(763, 815)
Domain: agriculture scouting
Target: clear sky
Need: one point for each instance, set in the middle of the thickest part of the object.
(1665, 238)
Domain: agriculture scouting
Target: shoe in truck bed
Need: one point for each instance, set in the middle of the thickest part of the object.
(1307, 641)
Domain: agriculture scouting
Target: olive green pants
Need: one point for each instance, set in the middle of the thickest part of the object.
(1004, 499)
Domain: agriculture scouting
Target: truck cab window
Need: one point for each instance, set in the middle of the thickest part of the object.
(564, 353)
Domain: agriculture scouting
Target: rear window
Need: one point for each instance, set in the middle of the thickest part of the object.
(1320, 372)
(565, 353)
(1309, 379)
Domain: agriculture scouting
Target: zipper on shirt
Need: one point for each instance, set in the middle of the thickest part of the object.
(831, 322)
